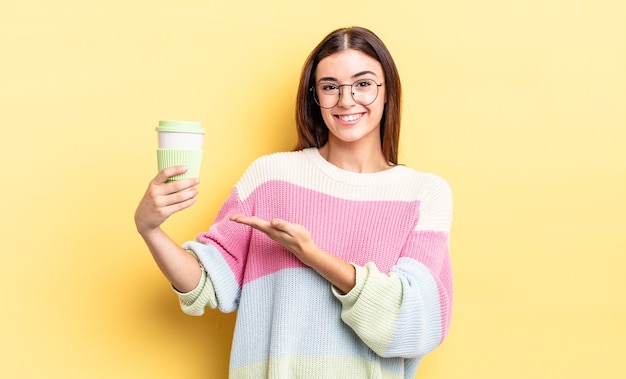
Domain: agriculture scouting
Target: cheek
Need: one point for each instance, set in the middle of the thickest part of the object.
(326, 116)
(379, 110)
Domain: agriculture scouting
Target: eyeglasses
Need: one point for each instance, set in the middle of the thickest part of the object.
(364, 92)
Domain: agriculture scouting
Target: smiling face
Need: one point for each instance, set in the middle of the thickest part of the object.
(350, 122)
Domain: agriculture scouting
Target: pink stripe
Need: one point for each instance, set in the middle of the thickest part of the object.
(355, 231)
(230, 238)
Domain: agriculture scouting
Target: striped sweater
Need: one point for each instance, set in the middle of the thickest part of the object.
(393, 226)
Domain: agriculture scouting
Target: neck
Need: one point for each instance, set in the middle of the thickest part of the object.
(360, 160)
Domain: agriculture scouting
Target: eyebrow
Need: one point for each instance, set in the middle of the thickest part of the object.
(358, 74)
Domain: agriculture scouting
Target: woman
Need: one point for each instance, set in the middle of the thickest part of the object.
(335, 257)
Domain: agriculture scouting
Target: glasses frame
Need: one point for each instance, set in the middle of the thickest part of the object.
(340, 93)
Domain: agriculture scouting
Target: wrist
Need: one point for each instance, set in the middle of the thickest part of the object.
(338, 272)
(147, 232)
(310, 255)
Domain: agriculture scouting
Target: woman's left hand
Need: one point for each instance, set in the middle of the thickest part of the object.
(297, 239)
(293, 237)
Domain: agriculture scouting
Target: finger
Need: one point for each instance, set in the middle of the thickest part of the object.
(168, 172)
(179, 206)
(166, 205)
(180, 185)
(181, 195)
(243, 219)
(163, 195)
(281, 225)
(239, 218)
(253, 221)
(290, 229)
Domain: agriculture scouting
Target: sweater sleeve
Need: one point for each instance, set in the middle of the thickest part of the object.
(222, 252)
(406, 312)
(194, 301)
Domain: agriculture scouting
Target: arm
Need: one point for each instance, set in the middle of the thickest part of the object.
(161, 200)
(297, 239)
(406, 312)
(403, 313)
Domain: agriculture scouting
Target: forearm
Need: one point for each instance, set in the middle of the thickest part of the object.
(179, 267)
(297, 239)
(338, 272)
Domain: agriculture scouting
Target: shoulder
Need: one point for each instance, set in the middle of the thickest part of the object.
(270, 160)
(276, 165)
(422, 184)
(435, 197)
(279, 166)
(436, 184)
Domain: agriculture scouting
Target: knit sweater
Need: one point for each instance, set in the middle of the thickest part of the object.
(393, 226)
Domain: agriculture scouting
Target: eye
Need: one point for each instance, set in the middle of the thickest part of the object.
(328, 87)
(362, 84)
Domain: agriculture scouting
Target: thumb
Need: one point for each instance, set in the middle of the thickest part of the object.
(279, 224)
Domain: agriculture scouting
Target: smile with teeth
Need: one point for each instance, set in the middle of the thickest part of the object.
(350, 117)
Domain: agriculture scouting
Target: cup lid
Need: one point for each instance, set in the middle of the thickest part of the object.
(180, 126)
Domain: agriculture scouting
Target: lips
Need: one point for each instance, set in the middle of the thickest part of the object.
(350, 117)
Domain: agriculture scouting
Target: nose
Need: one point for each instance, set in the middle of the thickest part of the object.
(346, 97)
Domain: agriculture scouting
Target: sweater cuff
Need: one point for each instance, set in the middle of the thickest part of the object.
(351, 297)
(191, 296)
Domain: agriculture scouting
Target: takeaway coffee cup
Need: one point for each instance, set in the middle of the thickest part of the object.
(180, 143)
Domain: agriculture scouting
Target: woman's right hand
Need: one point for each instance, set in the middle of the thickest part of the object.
(162, 198)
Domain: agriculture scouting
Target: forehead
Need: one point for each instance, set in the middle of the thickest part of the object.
(348, 64)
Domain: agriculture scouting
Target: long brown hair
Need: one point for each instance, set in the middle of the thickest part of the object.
(312, 132)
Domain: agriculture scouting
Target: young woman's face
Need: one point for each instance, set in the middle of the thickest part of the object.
(348, 121)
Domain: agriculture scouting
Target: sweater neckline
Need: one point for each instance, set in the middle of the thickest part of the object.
(349, 177)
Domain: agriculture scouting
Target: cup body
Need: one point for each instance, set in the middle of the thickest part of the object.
(178, 140)
(180, 143)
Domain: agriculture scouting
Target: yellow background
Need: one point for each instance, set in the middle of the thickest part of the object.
(521, 105)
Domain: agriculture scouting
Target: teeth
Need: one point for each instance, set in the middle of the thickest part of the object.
(352, 117)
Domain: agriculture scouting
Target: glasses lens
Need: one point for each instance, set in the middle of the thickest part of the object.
(364, 92)
(326, 95)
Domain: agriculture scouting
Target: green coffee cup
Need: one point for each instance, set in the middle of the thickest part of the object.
(180, 143)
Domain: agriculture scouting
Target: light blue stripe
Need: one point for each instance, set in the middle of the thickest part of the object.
(293, 312)
(420, 308)
(226, 286)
